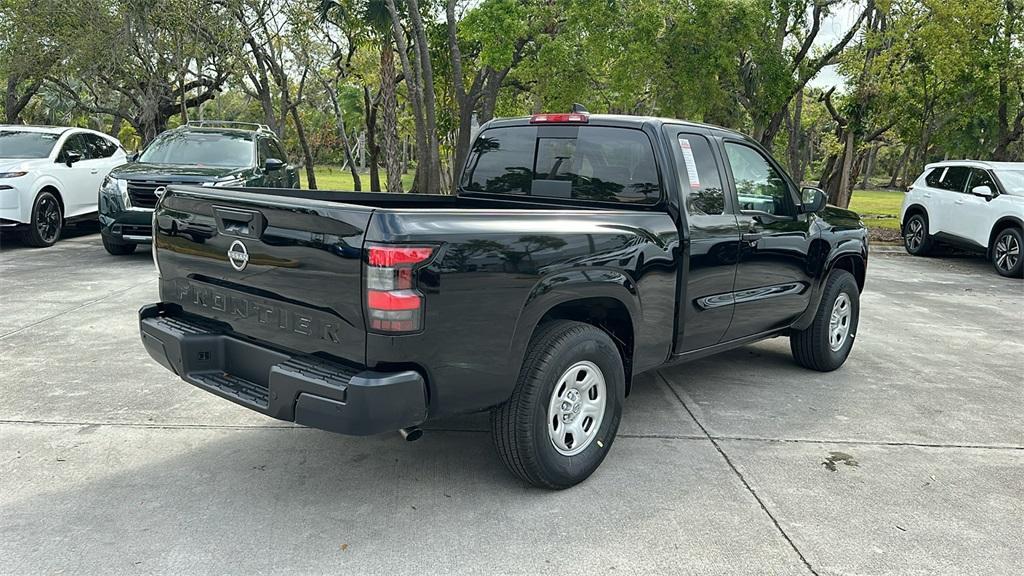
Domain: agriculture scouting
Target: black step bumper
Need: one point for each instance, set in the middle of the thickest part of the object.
(300, 389)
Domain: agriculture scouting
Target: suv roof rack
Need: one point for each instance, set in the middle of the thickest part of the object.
(228, 124)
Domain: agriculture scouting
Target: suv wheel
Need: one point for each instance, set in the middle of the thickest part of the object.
(562, 417)
(1006, 253)
(825, 344)
(47, 221)
(915, 235)
(117, 248)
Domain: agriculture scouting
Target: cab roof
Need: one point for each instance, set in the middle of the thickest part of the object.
(615, 120)
(978, 164)
(39, 129)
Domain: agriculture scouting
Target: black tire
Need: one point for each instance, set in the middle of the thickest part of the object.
(1008, 253)
(915, 235)
(47, 221)
(520, 425)
(813, 347)
(117, 248)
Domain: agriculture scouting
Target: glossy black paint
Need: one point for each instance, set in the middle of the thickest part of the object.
(668, 286)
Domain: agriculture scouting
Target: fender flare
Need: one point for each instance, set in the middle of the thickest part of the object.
(568, 286)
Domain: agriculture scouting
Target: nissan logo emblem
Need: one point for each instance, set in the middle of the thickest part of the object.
(159, 191)
(238, 255)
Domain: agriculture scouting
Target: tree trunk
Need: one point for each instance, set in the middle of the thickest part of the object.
(370, 114)
(389, 112)
(869, 166)
(413, 83)
(796, 138)
(339, 124)
(899, 166)
(307, 155)
(433, 152)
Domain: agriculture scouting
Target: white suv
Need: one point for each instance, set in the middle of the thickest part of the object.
(978, 205)
(50, 175)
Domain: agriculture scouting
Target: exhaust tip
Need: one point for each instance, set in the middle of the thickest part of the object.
(411, 434)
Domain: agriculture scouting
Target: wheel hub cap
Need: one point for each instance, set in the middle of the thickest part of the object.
(1007, 252)
(839, 322)
(576, 408)
(915, 234)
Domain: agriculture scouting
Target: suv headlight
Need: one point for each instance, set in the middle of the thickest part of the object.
(116, 187)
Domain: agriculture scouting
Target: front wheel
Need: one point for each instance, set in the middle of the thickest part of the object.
(825, 344)
(47, 221)
(1006, 253)
(560, 422)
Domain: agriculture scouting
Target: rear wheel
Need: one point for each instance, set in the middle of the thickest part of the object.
(825, 344)
(47, 221)
(915, 235)
(117, 248)
(563, 415)
(1006, 253)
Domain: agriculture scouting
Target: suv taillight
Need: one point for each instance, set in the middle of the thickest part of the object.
(393, 304)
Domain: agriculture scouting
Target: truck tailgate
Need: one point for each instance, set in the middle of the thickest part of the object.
(273, 268)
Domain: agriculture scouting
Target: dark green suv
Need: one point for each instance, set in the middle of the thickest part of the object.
(221, 154)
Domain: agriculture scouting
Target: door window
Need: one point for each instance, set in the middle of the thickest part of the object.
(981, 177)
(698, 176)
(277, 152)
(263, 149)
(74, 143)
(98, 146)
(955, 178)
(759, 186)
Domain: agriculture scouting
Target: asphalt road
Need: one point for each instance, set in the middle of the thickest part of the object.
(908, 460)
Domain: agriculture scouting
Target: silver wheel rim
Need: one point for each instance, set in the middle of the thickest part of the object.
(839, 323)
(1007, 252)
(915, 233)
(576, 408)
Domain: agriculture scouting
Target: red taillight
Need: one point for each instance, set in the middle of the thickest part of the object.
(392, 302)
(570, 118)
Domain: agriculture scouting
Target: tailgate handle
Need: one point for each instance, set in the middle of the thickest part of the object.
(235, 222)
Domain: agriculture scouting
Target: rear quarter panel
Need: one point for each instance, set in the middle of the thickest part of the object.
(497, 273)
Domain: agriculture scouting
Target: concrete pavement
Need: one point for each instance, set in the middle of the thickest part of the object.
(110, 465)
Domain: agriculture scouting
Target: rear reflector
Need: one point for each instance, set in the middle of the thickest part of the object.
(392, 302)
(570, 118)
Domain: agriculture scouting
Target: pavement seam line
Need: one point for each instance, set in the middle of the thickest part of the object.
(635, 436)
(739, 475)
(75, 309)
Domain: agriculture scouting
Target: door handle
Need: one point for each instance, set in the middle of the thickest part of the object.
(94, 171)
(959, 201)
(926, 195)
(751, 237)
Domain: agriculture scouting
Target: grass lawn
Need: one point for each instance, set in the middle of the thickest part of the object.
(336, 178)
(879, 208)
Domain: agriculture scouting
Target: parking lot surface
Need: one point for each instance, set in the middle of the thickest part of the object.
(908, 460)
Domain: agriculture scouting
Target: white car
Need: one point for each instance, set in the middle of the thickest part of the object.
(977, 205)
(49, 175)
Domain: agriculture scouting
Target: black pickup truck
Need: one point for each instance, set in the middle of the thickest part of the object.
(578, 252)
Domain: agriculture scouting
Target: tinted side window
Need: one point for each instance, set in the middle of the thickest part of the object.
(502, 161)
(263, 150)
(276, 151)
(933, 178)
(955, 178)
(698, 176)
(981, 177)
(74, 143)
(584, 163)
(759, 186)
(99, 147)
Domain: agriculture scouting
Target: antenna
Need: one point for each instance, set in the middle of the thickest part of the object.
(578, 108)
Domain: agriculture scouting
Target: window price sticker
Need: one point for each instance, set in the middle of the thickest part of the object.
(691, 164)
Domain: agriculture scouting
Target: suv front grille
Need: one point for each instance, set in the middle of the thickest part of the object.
(141, 192)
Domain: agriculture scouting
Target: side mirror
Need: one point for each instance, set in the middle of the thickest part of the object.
(273, 164)
(812, 200)
(983, 191)
(133, 157)
(72, 157)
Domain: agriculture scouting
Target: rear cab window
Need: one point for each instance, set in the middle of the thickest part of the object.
(593, 163)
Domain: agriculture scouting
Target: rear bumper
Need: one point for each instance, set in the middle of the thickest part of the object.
(301, 389)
